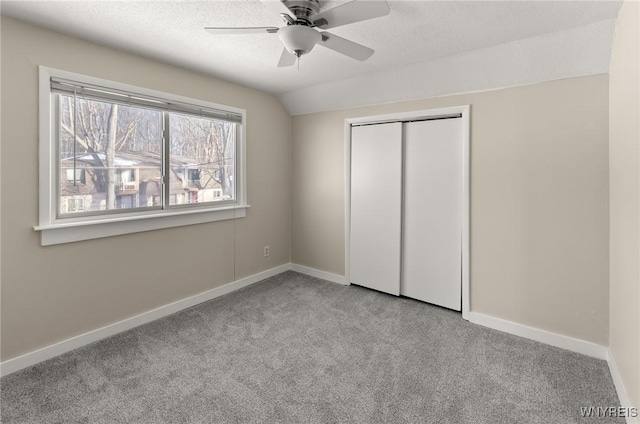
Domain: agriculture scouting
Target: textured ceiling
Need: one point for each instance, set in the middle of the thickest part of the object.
(414, 32)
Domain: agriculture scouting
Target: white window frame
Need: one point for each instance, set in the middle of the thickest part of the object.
(55, 230)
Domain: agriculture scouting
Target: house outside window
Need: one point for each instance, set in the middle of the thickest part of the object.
(131, 153)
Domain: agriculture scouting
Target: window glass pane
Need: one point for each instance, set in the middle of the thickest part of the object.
(202, 159)
(110, 156)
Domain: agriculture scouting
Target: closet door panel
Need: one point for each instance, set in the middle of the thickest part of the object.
(376, 206)
(432, 212)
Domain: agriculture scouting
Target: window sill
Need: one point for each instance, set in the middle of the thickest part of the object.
(68, 232)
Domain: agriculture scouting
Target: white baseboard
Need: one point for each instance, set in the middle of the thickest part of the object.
(51, 351)
(563, 342)
(532, 333)
(324, 275)
(543, 336)
(620, 388)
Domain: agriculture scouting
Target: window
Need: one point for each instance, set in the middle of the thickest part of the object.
(75, 175)
(133, 154)
(75, 204)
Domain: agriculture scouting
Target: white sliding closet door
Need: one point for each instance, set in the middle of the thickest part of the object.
(376, 206)
(432, 212)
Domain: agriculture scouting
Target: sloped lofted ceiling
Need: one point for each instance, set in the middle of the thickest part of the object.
(461, 45)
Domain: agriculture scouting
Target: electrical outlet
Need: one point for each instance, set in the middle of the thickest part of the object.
(266, 251)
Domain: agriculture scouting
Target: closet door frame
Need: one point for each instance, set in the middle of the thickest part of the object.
(462, 111)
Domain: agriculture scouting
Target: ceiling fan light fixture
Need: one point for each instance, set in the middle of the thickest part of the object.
(299, 39)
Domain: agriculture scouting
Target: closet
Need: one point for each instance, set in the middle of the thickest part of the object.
(406, 208)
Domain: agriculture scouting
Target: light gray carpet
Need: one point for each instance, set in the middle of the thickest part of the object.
(295, 349)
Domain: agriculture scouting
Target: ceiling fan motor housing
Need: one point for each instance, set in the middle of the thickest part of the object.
(303, 9)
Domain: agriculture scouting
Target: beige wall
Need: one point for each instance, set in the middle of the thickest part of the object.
(53, 293)
(539, 200)
(539, 225)
(624, 133)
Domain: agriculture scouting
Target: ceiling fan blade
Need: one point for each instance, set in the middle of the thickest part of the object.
(351, 12)
(241, 30)
(346, 47)
(286, 59)
(278, 7)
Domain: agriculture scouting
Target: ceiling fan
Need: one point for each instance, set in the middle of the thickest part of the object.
(302, 17)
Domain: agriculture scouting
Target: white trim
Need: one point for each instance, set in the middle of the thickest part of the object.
(46, 150)
(465, 111)
(323, 275)
(466, 211)
(59, 73)
(347, 202)
(564, 342)
(620, 388)
(51, 351)
(56, 231)
(407, 116)
(113, 226)
(510, 327)
(32, 358)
